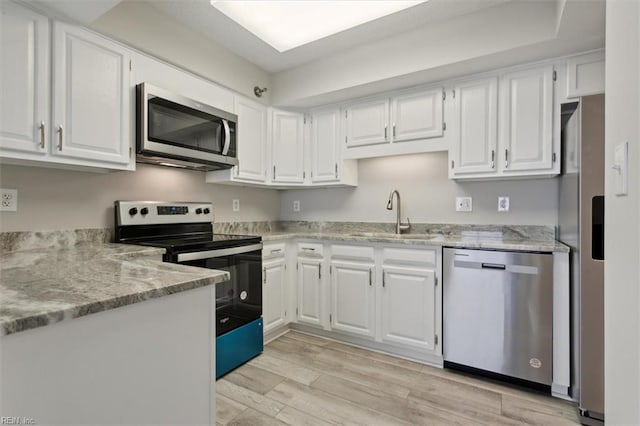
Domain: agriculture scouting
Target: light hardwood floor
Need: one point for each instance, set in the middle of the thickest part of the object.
(306, 380)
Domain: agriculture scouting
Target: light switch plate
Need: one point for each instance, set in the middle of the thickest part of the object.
(621, 168)
(8, 200)
(296, 206)
(236, 205)
(503, 204)
(464, 204)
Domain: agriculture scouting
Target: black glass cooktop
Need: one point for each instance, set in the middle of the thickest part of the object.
(200, 242)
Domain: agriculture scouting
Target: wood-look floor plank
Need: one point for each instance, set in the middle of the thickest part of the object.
(251, 417)
(335, 368)
(457, 397)
(254, 378)
(328, 407)
(286, 369)
(535, 414)
(365, 396)
(293, 417)
(227, 409)
(422, 414)
(375, 356)
(307, 338)
(300, 351)
(248, 398)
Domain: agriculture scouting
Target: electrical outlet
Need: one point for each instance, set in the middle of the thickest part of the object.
(8, 200)
(236, 205)
(296, 206)
(503, 204)
(464, 204)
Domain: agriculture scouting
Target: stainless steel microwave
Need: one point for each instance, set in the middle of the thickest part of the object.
(176, 131)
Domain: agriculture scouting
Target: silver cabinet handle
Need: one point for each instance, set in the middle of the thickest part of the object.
(394, 130)
(319, 271)
(493, 158)
(506, 158)
(42, 134)
(227, 137)
(370, 280)
(60, 137)
(276, 251)
(264, 275)
(336, 170)
(385, 132)
(384, 279)
(308, 248)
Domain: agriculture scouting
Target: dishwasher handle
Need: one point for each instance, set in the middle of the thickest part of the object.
(494, 266)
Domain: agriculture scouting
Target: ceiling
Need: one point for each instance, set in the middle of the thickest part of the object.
(200, 16)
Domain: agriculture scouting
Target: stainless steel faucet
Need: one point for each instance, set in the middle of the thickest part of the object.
(399, 226)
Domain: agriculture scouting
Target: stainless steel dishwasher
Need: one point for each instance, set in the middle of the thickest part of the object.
(498, 313)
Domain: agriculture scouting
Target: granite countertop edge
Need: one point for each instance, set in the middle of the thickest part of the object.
(137, 256)
(433, 240)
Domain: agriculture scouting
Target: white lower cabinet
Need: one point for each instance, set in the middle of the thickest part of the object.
(385, 297)
(352, 297)
(274, 302)
(409, 306)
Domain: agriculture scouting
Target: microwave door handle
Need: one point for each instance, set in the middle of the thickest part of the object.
(227, 137)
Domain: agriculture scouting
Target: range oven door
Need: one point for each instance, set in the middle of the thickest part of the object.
(175, 127)
(239, 300)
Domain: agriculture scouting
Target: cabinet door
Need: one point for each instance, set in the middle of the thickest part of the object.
(526, 120)
(475, 127)
(273, 296)
(324, 146)
(91, 96)
(367, 123)
(24, 79)
(352, 298)
(288, 155)
(417, 115)
(252, 140)
(310, 291)
(409, 306)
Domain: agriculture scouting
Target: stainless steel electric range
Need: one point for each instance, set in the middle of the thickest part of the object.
(185, 231)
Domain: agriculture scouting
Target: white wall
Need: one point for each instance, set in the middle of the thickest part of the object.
(51, 199)
(622, 214)
(427, 196)
(142, 26)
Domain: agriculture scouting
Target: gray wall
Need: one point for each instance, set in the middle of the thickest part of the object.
(622, 224)
(427, 196)
(60, 199)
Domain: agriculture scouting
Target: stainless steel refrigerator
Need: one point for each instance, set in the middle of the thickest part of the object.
(581, 226)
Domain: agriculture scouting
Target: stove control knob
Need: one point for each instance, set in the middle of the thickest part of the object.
(207, 211)
(198, 211)
(133, 211)
(144, 211)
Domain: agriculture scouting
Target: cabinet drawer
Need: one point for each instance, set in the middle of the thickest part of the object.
(352, 252)
(410, 256)
(310, 249)
(273, 250)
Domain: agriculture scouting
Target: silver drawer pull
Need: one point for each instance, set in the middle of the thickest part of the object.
(60, 137)
(308, 248)
(42, 134)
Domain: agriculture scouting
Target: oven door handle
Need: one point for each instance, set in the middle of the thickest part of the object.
(198, 255)
(227, 137)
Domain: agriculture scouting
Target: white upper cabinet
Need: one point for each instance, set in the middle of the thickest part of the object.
(83, 119)
(252, 140)
(585, 74)
(24, 80)
(325, 148)
(476, 126)
(288, 143)
(417, 115)
(367, 123)
(91, 96)
(526, 132)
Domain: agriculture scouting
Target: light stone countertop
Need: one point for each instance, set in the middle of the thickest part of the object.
(43, 286)
(467, 239)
